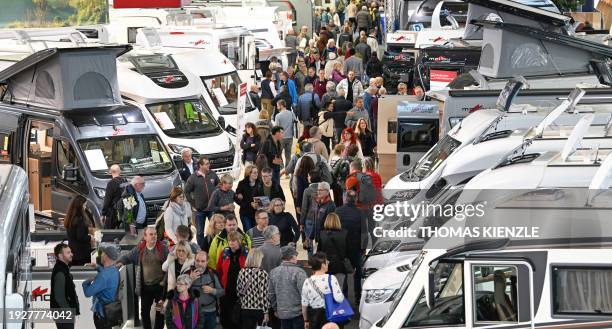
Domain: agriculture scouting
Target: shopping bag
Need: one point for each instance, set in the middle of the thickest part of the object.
(337, 312)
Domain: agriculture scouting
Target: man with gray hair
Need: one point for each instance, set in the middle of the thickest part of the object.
(285, 289)
(318, 147)
(330, 92)
(308, 105)
(132, 205)
(189, 165)
(271, 248)
(112, 195)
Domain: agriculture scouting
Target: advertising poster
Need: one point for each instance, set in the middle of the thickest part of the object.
(439, 79)
(241, 113)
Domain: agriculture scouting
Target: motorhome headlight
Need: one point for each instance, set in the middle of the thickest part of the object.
(100, 192)
(376, 296)
(404, 195)
(176, 148)
(382, 247)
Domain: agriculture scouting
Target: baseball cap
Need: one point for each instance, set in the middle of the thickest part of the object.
(111, 250)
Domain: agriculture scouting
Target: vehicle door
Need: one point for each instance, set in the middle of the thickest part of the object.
(10, 144)
(418, 127)
(500, 293)
(67, 180)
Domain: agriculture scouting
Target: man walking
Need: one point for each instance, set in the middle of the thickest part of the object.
(103, 288)
(270, 248)
(256, 232)
(199, 189)
(308, 106)
(285, 290)
(354, 222)
(273, 151)
(189, 165)
(356, 113)
(63, 292)
(111, 197)
(149, 255)
(285, 119)
(284, 80)
(351, 85)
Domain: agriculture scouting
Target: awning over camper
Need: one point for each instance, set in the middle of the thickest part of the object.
(66, 78)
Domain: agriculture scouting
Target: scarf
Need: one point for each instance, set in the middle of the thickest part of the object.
(176, 313)
(178, 209)
(322, 201)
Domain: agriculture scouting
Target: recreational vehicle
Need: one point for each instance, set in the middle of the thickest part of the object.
(65, 123)
(524, 280)
(173, 99)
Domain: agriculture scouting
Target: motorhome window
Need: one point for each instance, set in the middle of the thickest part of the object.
(183, 118)
(65, 155)
(92, 85)
(435, 157)
(495, 293)
(136, 155)
(449, 303)
(583, 290)
(417, 135)
(45, 88)
(231, 49)
(5, 147)
(224, 89)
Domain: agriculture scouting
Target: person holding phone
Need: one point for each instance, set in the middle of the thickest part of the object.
(207, 283)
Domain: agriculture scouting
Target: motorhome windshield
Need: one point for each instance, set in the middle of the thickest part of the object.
(136, 155)
(448, 306)
(224, 91)
(433, 159)
(184, 118)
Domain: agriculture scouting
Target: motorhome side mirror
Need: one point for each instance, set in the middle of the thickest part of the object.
(69, 173)
(430, 288)
(221, 121)
(406, 159)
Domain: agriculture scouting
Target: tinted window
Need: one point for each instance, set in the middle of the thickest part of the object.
(582, 290)
(417, 135)
(92, 85)
(112, 116)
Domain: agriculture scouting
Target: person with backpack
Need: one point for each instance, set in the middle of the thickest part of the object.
(104, 287)
(363, 185)
(342, 169)
(308, 105)
(198, 190)
(207, 283)
(178, 212)
(320, 163)
(148, 256)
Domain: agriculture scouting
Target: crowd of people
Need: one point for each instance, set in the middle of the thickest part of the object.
(227, 252)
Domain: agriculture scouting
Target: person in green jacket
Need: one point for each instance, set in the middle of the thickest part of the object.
(219, 242)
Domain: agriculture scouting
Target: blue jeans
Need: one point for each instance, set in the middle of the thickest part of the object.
(247, 222)
(295, 323)
(200, 221)
(210, 320)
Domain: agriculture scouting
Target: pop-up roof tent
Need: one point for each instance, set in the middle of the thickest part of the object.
(519, 12)
(65, 78)
(509, 50)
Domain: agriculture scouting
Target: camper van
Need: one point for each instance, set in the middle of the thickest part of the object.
(15, 288)
(522, 281)
(172, 98)
(65, 123)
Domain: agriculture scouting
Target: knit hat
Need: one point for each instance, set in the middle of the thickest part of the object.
(111, 250)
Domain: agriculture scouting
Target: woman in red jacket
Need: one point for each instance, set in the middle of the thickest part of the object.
(230, 261)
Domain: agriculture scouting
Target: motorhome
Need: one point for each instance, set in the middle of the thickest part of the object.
(64, 121)
(511, 282)
(172, 98)
(15, 221)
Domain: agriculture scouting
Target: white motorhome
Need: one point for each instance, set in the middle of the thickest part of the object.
(172, 98)
(15, 221)
(554, 278)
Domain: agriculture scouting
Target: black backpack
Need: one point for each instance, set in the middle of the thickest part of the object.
(366, 193)
(321, 167)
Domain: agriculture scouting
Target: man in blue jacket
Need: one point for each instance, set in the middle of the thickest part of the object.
(284, 80)
(103, 288)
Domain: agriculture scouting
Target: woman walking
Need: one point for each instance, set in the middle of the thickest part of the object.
(314, 289)
(78, 230)
(333, 243)
(182, 309)
(244, 196)
(366, 138)
(253, 291)
(286, 223)
(178, 262)
(178, 212)
(250, 144)
(230, 261)
(217, 224)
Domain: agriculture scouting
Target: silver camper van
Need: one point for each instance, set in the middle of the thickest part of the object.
(63, 121)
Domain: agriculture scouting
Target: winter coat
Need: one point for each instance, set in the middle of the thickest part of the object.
(199, 189)
(363, 19)
(208, 302)
(172, 219)
(224, 263)
(351, 120)
(334, 245)
(169, 267)
(287, 226)
(219, 243)
(354, 64)
(135, 257)
(354, 222)
(285, 290)
(249, 153)
(244, 188)
(357, 87)
(183, 315)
